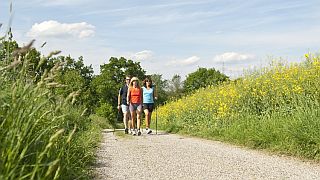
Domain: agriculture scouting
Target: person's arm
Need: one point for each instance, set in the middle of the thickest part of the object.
(141, 95)
(119, 98)
(128, 96)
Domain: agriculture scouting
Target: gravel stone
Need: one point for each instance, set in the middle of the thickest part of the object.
(169, 156)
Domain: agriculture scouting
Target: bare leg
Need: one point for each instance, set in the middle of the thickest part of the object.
(146, 112)
(138, 118)
(129, 121)
(133, 117)
(125, 119)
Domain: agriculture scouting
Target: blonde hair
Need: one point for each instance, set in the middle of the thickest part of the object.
(134, 79)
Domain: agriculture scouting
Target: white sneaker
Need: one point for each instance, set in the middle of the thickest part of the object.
(134, 132)
(130, 131)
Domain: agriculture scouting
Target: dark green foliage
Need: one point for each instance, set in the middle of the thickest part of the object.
(161, 86)
(175, 88)
(106, 110)
(202, 78)
(77, 78)
(7, 48)
(117, 69)
(108, 83)
(44, 135)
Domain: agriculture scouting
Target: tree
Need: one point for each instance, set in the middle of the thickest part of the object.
(161, 86)
(6, 49)
(10, 51)
(71, 64)
(111, 78)
(119, 68)
(37, 65)
(7, 46)
(202, 78)
(175, 88)
(77, 77)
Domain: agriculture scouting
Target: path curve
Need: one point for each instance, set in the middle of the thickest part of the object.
(169, 156)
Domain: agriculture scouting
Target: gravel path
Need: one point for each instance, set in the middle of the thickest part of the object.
(168, 156)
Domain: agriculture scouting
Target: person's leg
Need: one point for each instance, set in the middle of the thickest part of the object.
(138, 118)
(146, 112)
(132, 118)
(133, 115)
(125, 117)
(150, 109)
(139, 110)
(129, 122)
(125, 120)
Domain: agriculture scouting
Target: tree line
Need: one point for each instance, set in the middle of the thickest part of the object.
(98, 93)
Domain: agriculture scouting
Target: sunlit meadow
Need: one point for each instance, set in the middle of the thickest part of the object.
(275, 108)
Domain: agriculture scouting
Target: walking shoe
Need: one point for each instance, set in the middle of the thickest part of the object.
(126, 131)
(149, 131)
(134, 132)
(139, 133)
(130, 131)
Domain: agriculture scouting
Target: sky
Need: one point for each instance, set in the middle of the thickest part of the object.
(169, 37)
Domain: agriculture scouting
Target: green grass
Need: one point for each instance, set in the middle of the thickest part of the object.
(43, 135)
(276, 108)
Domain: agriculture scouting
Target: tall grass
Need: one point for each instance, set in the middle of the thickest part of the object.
(277, 108)
(42, 136)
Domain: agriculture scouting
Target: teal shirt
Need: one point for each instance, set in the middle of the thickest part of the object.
(147, 95)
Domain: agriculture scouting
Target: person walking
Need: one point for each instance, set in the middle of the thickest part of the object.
(149, 95)
(134, 99)
(122, 103)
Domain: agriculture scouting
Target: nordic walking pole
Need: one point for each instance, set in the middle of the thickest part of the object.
(157, 120)
(156, 112)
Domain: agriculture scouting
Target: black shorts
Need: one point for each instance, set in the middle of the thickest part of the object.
(148, 106)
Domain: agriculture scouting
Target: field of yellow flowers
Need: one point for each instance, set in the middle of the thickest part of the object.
(277, 108)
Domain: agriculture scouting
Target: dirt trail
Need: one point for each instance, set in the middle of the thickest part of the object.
(168, 156)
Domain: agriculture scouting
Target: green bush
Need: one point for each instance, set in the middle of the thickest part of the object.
(108, 112)
(43, 136)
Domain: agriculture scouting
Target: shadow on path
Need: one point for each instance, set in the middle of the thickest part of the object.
(159, 133)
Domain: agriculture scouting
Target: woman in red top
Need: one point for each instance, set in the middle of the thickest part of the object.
(134, 99)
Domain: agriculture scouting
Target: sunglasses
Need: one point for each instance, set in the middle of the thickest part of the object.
(128, 79)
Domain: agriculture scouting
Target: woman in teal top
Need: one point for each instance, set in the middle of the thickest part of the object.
(149, 95)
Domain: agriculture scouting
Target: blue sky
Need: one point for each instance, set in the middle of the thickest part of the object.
(170, 37)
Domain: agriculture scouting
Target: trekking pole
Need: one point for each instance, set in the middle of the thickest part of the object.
(156, 103)
(156, 120)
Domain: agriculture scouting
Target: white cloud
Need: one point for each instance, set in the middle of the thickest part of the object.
(233, 57)
(142, 55)
(185, 62)
(56, 29)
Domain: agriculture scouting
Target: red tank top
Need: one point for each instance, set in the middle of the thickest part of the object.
(135, 95)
